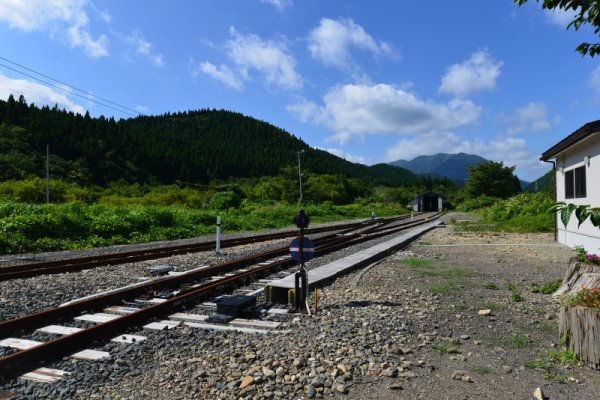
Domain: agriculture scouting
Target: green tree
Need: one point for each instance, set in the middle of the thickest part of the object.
(586, 13)
(492, 179)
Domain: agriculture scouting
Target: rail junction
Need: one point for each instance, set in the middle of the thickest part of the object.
(119, 311)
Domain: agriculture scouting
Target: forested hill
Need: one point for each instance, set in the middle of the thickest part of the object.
(194, 146)
(452, 166)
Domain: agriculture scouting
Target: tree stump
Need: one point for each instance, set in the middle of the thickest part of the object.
(574, 281)
(579, 327)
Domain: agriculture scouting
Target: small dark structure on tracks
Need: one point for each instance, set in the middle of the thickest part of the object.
(428, 202)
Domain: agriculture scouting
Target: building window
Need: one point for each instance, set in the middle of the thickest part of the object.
(580, 189)
(575, 185)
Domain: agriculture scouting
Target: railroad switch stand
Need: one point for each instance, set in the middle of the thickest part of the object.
(301, 290)
(301, 249)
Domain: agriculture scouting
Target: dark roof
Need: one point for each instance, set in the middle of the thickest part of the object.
(578, 135)
(430, 194)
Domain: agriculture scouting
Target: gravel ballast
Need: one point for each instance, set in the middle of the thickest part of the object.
(404, 329)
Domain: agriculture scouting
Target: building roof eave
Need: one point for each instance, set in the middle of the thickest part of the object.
(580, 134)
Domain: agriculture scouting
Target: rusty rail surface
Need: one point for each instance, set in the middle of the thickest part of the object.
(20, 271)
(32, 358)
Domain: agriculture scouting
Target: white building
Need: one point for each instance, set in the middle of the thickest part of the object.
(577, 177)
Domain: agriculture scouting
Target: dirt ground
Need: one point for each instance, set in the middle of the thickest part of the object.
(452, 274)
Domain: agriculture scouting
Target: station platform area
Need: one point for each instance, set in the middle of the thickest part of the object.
(278, 289)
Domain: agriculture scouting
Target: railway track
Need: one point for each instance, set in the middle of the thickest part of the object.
(20, 271)
(183, 290)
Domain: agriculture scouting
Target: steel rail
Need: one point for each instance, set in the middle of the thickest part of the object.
(29, 359)
(40, 318)
(10, 326)
(21, 271)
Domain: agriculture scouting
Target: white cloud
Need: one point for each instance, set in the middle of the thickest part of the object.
(532, 117)
(62, 18)
(509, 150)
(346, 156)
(138, 43)
(270, 58)
(250, 53)
(354, 110)
(332, 40)
(221, 73)
(36, 93)
(594, 79)
(561, 18)
(480, 72)
(424, 145)
(280, 5)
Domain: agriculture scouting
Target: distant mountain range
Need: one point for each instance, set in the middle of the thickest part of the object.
(453, 166)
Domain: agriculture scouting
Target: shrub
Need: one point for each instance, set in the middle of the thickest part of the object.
(586, 297)
(223, 201)
(585, 257)
(476, 203)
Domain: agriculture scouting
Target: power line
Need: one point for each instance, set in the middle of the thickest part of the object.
(73, 93)
(88, 96)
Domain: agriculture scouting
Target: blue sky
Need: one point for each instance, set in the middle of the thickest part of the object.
(370, 81)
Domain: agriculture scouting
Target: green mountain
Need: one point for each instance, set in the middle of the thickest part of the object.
(192, 146)
(542, 184)
(452, 166)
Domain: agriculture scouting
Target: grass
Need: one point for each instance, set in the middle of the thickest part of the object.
(376, 284)
(548, 288)
(492, 305)
(454, 278)
(454, 273)
(448, 288)
(547, 363)
(517, 340)
(446, 347)
(460, 306)
(516, 297)
(417, 262)
(525, 224)
(481, 370)
(473, 226)
(564, 357)
(490, 286)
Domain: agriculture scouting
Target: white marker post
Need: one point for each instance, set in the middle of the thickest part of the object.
(412, 215)
(218, 235)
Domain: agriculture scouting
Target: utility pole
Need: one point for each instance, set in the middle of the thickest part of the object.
(47, 173)
(300, 174)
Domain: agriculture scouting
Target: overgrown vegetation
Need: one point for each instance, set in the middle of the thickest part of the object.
(169, 176)
(551, 361)
(40, 227)
(523, 213)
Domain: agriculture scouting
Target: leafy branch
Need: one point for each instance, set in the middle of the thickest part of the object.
(585, 12)
(582, 213)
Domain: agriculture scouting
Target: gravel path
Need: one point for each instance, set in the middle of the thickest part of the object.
(409, 328)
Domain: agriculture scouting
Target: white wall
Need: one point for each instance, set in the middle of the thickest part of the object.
(587, 235)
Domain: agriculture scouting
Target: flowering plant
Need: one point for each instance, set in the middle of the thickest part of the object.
(586, 297)
(587, 258)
